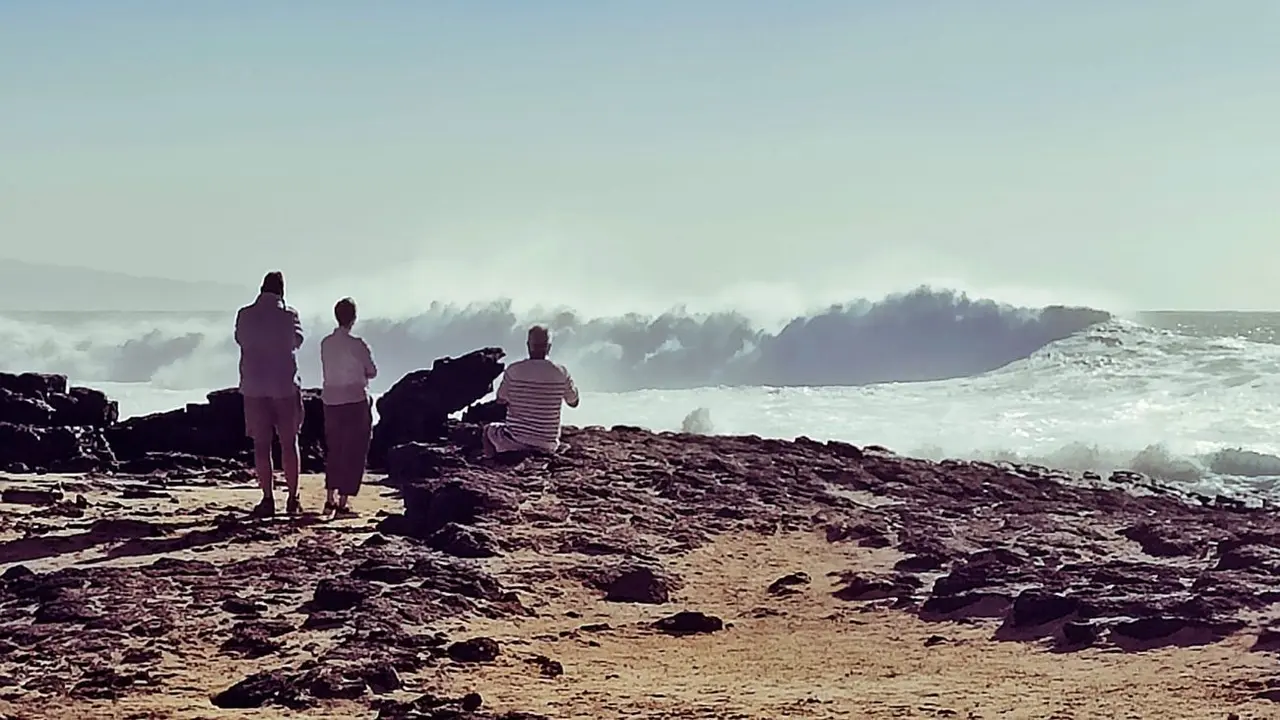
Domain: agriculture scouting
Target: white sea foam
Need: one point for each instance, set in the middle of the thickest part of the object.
(1201, 411)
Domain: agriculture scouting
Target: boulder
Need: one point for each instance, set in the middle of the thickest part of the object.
(418, 406)
(687, 622)
(639, 585)
(409, 462)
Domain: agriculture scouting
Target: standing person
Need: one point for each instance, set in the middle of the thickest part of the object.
(532, 390)
(348, 367)
(269, 334)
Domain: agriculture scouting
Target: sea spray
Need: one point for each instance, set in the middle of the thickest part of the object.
(698, 422)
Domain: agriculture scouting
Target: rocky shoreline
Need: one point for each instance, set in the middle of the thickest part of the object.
(111, 580)
(46, 426)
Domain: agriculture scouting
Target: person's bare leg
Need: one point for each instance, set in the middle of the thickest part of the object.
(262, 467)
(290, 464)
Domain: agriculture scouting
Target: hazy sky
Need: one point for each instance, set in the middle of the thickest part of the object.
(1125, 152)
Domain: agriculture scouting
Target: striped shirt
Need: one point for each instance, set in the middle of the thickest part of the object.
(533, 390)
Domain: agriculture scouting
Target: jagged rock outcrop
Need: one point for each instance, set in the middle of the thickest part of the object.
(418, 406)
(45, 425)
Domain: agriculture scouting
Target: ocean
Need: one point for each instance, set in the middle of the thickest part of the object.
(1189, 398)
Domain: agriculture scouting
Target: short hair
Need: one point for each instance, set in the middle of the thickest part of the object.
(539, 336)
(345, 311)
(273, 282)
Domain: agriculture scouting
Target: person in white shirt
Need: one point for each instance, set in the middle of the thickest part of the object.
(347, 364)
(533, 390)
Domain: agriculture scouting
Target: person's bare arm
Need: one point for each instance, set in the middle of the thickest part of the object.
(570, 391)
(370, 368)
(239, 333)
(298, 337)
(502, 389)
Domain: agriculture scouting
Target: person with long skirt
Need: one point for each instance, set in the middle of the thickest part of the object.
(347, 364)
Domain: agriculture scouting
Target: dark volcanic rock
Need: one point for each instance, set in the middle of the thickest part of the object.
(862, 587)
(260, 689)
(36, 385)
(24, 409)
(255, 639)
(213, 430)
(546, 666)
(485, 412)
(1161, 540)
(31, 496)
(463, 541)
(417, 407)
(444, 512)
(84, 407)
(431, 707)
(177, 462)
(639, 585)
(46, 426)
(789, 584)
(475, 650)
(55, 449)
(337, 594)
(1152, 632)
(689, 623)
(420, 461)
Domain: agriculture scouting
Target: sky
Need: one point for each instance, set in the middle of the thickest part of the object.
(618, 155)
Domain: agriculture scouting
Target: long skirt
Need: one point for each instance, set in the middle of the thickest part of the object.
(347, 430)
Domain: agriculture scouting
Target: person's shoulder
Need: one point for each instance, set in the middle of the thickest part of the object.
(547, 368)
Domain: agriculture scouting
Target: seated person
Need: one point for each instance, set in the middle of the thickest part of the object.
(532, 389)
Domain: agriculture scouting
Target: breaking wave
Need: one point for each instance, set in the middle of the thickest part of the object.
(1228, 471)
(924, 334)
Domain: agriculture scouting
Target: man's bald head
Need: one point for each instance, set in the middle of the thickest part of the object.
(539, 342)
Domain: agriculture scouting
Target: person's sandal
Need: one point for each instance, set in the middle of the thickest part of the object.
(295, 505)
(330, 506)
(345, 512)
(264, 509)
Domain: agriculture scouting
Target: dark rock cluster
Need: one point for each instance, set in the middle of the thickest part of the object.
(1047, 557)
(98, 631)
(47, 427)
(44, 425)
(209, 435)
